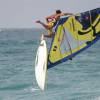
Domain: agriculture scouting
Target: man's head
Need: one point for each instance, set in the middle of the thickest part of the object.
(58, 12)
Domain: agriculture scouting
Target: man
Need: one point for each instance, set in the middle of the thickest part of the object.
(51, 20)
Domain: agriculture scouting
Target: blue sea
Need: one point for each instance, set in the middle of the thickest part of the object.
(78, 79)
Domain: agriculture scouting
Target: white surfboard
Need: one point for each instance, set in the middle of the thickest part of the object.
(41, 64)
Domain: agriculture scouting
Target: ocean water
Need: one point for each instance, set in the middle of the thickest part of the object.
(78, 79)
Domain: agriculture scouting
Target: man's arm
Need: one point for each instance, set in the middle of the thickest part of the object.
(49, 17)
(65, 14)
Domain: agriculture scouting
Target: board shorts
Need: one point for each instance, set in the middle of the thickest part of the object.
(51, 24)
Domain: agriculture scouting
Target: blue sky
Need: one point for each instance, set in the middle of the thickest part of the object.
(23, 13)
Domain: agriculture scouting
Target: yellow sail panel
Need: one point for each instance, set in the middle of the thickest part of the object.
(56, 52)
(74, 27)
(74, 34)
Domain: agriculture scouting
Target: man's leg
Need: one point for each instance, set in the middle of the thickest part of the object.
(43, 24)
(49, 34)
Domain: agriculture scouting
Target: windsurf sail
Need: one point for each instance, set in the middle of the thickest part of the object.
(73, 35)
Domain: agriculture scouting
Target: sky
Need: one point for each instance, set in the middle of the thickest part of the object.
(24, 13)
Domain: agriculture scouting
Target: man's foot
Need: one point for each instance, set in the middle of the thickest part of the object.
(48, 36)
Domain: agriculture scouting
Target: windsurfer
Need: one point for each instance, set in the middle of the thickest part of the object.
(51, 20)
